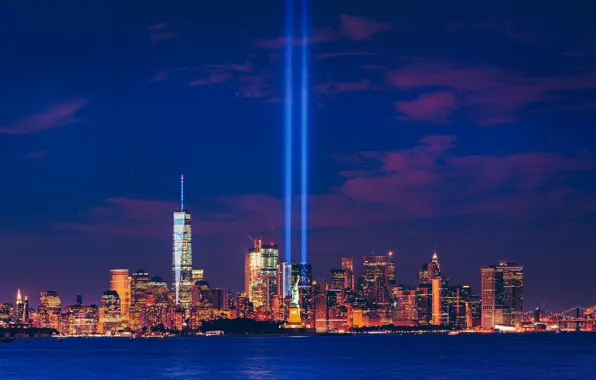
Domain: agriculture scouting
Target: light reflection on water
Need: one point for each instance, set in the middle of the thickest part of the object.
(427, 356)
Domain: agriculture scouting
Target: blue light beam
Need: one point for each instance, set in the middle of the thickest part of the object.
(304, 136)
(289, 128)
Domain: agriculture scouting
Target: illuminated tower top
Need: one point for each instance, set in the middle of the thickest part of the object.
(181, 192)
(19, 299)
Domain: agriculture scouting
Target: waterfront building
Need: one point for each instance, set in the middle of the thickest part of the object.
(229, 303)
(49, 310)
(502, 295)
(424, 303)
(244, 308)
(376, 279)
(138, 298)
(182, 255)
(120, 283)
(440, 308)
(157, 303)
(405, 313)
(261, 276)
(305, 292)
(321, 317)
(110, 312)
(217, 299)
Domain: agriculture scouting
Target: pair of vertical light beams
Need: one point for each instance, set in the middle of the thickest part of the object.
(289, 130)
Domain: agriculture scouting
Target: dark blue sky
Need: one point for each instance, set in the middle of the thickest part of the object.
(466, 126)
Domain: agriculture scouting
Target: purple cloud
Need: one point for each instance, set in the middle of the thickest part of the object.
(55, 116)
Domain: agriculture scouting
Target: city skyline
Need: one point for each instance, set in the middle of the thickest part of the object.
(469, 129)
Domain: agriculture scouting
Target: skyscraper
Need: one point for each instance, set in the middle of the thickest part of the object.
(138, 298)
(437, 301)
(110, 312)
(49, 309)
(120, 283)
(513, 292)
(492, 296)
(156, 311)
(347, 264)
(391, 270)
(26, 310)
(20, 307)
(262, 272)
(182, 255)
(502, 294)
(338, 279)
(430, 270)
(376, 279)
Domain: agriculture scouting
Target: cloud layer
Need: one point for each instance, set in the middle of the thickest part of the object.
(57, 115)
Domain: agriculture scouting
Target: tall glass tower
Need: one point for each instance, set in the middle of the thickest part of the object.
(182, 255)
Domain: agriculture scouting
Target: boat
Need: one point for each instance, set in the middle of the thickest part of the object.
(214, 333)
(453, 333)
(7, 339)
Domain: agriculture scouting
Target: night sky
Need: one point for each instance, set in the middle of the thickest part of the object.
(462, 125)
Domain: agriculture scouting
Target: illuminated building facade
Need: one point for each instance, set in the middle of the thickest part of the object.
(85, 320)
(229, 303)
(202, 308)
(182, 256)
(20, 309)
(438, 315)
(110, 312)
(244, 307)
(158, 303)
(49, 310)
(284, 280)
(502, 295)
(303, 274)
(347, 264)
(262, 273)
(321, 316)
(405, 311)
(376, 276)
(120, 283)
(492, 297)
(429, 270)
(424, 303)
(197, 275)
(138, 298)
(338, 279)
(391, 280)
(513, 292)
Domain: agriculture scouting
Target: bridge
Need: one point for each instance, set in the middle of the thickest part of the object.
(577, 318)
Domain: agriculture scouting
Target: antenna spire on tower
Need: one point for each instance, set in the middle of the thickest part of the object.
(181, 192)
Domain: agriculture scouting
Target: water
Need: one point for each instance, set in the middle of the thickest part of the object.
(427, 356)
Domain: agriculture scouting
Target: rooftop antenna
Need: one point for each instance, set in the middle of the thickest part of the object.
(181, 192)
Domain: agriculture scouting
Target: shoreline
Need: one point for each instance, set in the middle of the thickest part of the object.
(298, 335)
